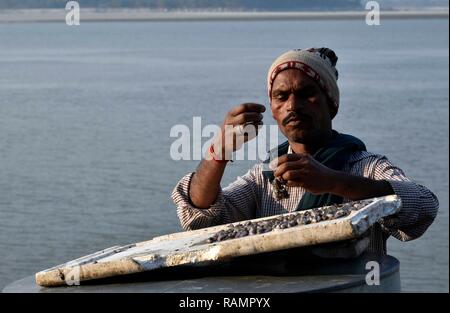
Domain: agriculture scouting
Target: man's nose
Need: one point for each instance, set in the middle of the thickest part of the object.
(294, 103)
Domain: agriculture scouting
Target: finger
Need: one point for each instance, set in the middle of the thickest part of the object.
(285, 158)
(251, 129)
(247, 107)
(287, 166)
(292, 175)
(247, 117)
(295, 183)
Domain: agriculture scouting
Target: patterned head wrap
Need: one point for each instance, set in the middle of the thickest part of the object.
(317, 63)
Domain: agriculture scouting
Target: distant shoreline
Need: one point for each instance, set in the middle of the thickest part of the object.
(107, 15)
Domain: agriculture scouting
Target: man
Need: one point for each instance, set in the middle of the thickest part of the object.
(318, 165)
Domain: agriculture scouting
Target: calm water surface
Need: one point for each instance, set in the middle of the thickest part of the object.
(85, 116)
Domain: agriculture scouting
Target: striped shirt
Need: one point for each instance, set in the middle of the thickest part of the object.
(250, 196)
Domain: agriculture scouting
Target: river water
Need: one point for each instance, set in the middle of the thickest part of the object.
(86, 112)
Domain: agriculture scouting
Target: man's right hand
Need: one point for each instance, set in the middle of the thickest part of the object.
(244, 119)
(205, 183)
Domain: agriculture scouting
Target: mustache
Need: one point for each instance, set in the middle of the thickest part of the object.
(295, 115)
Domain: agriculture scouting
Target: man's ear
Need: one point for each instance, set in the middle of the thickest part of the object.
(332, 109)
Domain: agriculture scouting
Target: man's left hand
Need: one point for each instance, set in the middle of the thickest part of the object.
(304, 171)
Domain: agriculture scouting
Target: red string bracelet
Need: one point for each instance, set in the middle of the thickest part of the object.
(212, 153)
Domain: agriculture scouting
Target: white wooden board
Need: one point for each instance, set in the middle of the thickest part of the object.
(191, 247)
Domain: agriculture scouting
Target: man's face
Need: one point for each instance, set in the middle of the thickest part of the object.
(300, 107)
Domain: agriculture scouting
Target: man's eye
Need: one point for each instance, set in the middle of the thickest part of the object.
(281, 97)
(307, 94)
